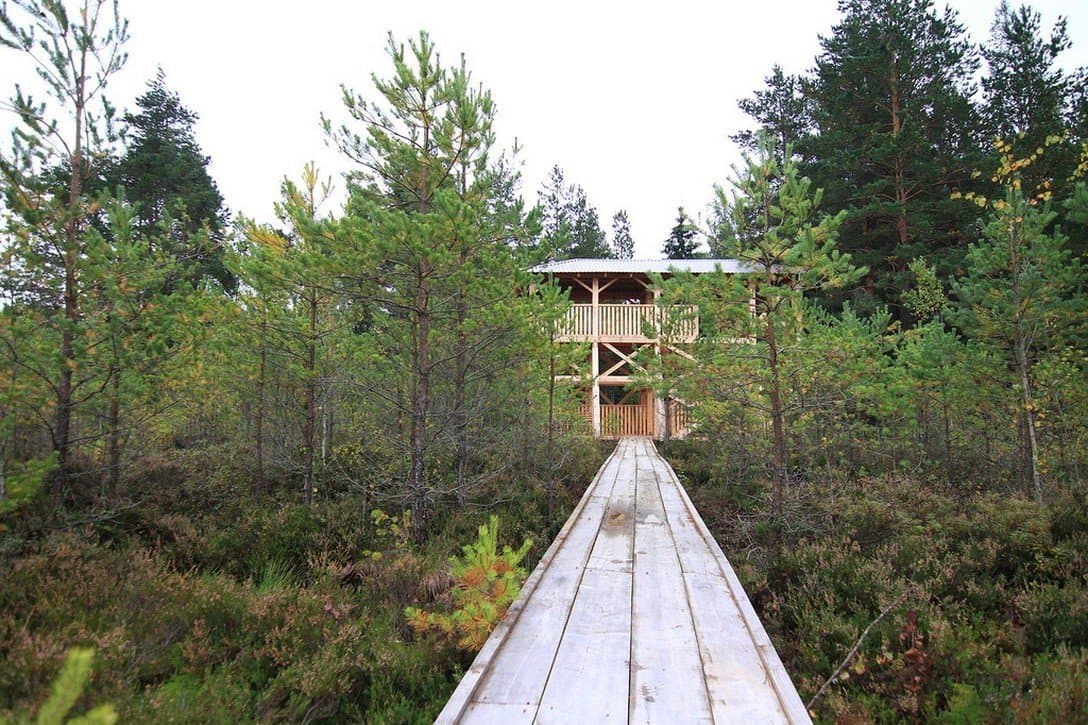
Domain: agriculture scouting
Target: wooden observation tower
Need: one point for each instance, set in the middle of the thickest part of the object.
(614, 309)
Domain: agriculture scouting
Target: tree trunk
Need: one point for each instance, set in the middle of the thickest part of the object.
(898, 177)
(258, 427)
(114, 423)
(309, 426)
(1063, 447)
(777, 422)
(460, 413)
(549, 440)
(460, 372)
(1028, 403)
(947, 416)
(62, 427)
(419, 495)
(326, 426)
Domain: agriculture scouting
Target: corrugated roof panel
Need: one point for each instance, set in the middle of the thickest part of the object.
(636, 266)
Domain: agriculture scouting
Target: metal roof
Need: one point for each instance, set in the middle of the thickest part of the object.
(637, 266)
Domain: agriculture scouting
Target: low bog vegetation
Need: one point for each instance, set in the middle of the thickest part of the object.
(205, 603)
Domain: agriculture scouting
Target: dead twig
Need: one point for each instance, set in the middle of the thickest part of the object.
(857, 645)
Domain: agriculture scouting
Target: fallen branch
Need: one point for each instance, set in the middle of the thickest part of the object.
(857, 645)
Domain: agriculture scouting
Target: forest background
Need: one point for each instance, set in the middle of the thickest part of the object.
(232, 453)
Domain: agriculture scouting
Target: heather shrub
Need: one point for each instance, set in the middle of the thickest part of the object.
(1054, 615)
(205, 599)
(220, 695)
(980, 597)
(1059, 689)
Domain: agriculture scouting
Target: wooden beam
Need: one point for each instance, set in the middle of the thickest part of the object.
(582, 284)
(623, 359)
(680, 352)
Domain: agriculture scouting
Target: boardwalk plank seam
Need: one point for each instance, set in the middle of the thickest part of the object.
(787, 694)
(573, 672)
(466, 689)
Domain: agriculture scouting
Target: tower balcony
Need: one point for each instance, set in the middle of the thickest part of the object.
(630, 323)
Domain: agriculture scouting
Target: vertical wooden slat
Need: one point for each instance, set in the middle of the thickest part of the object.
(630, 322)
(618, 421)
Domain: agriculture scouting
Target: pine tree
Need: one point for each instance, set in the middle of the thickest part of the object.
(1076, 118)
(140, 328)
(1025, 89)
(894, 136)
(1022, 292)
(771, 224)
(1030, 99)
(681, 242)
(782, 109)
(75, 54)
(301, 268)
(432, 262)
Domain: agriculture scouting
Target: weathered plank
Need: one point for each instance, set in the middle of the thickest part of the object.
(694, 553)
(666, 668)
(719, 604)
(633, 615)
(735, 674)
(612, 548)
(521, 667)
(591, 673)
(494, 712)
(513, 666)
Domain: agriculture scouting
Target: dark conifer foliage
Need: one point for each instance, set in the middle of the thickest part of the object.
(681, 242)
(889, 122)
(623, 245)
(1025, 90)
(1030, 101)
(782, 109)
(895, 134)
(570, 226)
(165, 173)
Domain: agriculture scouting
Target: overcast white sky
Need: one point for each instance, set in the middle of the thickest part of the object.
(635, 101)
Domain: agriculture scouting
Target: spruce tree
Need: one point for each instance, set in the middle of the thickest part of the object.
(623, 245)
(681, 242)
(165, 173)
(570, 226)
(781, 108)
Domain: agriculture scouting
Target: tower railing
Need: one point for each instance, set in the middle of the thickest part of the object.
(631, 323)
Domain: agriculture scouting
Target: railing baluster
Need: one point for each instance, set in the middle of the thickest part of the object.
(632, 322)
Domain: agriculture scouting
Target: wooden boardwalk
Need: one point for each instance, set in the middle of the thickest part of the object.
(633, 615)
